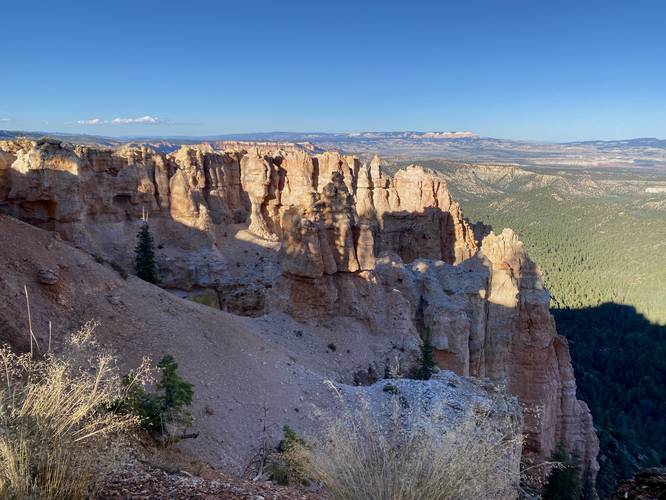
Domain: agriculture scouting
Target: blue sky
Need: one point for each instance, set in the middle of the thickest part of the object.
(514, 69)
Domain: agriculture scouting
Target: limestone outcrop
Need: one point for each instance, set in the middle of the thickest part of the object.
(351, 211)
(320, 237)
(537, 363)
(488, 317)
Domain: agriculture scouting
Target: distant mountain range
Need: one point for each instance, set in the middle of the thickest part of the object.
(648, 142)
(258, 136)
(645, 152)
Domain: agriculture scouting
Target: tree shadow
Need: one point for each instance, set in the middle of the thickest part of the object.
(619, 357)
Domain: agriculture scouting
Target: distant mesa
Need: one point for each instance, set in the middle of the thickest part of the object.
(403, 135)
(449, 135)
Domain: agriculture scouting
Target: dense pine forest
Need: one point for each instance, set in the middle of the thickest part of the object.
(590, 251)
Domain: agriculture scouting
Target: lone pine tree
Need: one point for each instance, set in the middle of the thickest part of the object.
(144, 256)
(426, 366)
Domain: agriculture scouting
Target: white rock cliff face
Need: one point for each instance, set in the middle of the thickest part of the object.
(330, 237)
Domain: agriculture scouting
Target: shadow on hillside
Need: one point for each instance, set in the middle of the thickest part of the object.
(619, 359)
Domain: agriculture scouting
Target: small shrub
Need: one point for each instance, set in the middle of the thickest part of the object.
(163, 408)
(356, 459)
(426, 366)
(391, 389)
(278, 472)
(281, 467)
(290, 440)
(58, 438)
(177, 392)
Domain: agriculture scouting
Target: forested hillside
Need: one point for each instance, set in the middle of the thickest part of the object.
(620, 363)
(591, 251)
(602, 249)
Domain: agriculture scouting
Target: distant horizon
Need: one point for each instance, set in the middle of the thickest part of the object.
(232, 135)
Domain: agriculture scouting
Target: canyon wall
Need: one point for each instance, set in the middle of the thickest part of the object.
(331, 237)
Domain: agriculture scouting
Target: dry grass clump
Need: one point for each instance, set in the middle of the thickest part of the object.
(358, 460)
(57, 435)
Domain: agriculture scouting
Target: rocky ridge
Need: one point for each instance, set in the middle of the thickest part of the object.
(320, 237)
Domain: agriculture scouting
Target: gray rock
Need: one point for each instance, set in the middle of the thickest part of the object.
(47, 277)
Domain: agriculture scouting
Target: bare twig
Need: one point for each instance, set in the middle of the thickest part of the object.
(259, 458)
(32, 335)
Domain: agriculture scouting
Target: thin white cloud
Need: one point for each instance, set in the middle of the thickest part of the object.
(141, 120)
(149, 120)
(5, 120)
(92, 121)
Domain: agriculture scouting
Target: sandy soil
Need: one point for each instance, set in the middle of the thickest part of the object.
(239, 365)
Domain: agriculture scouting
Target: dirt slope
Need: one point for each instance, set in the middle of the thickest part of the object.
(234, 366)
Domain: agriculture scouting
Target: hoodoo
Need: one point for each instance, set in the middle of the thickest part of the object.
(323, 238)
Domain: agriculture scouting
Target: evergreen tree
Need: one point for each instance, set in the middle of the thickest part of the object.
(144, 256)
(427, 365)
(167, 405)
(177, 393)
(563, 482)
